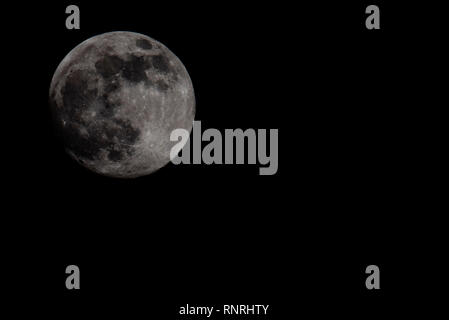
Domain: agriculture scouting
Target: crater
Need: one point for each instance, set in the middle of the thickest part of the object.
(144, 44)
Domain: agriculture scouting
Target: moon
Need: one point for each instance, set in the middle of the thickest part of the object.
(116, 98)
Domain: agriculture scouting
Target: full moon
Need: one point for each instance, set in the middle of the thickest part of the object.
(116, 98)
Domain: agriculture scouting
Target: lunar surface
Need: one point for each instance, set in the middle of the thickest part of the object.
(116, 98)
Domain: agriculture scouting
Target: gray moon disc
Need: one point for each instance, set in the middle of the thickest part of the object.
(116, 98)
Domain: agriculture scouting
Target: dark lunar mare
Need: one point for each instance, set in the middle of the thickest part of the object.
(144, 44)
(109, 65)
(100, 134)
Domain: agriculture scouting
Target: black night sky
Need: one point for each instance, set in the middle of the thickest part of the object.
(299, 240)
